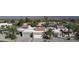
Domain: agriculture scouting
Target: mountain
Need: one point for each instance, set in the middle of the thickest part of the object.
(12, 17)
(39, 17)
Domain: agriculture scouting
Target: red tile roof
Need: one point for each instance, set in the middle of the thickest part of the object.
(40, 29)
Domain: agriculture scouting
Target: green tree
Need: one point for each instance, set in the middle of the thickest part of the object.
(20, 22)
(76, 32)
(27, 19)
(71, 26)
(47, 21)
(45, 17)
(12, 21)
(6, 21)
(46, 24)
(11, 32)
(47, 35)
(34, 23)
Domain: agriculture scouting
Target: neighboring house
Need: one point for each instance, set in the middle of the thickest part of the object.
(38, 32)
(40, 29)
(5, 24)
(25, 25)
(29, 29)
(26, 29)
(41, 23)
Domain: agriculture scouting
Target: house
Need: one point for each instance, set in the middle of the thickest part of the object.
(38, 32)
(5, 24)
(40, 29)
(29, 29)
(41, 23)
(26, 29)
(25, 25)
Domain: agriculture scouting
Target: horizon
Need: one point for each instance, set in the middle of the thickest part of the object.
(39, 17)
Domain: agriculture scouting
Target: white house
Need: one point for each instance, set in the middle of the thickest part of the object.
(5, 24)
(29, 29)
(38, 34)
(37, 31)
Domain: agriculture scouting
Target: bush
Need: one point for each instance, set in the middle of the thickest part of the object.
(12, 36)
(47, 35)
(77, 36)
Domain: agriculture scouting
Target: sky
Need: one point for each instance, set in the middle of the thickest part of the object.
(39, 17)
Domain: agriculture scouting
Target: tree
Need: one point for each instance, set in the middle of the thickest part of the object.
(46, 24)
(20, 23)
(27, 19)
(2, 28)
(6, 21)
(11, 32)
(72, 20)
(47, 34)
(34, 23)
(76, 32)
(12, 21)
(47, 21)
(70, 26)
(45, 17)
